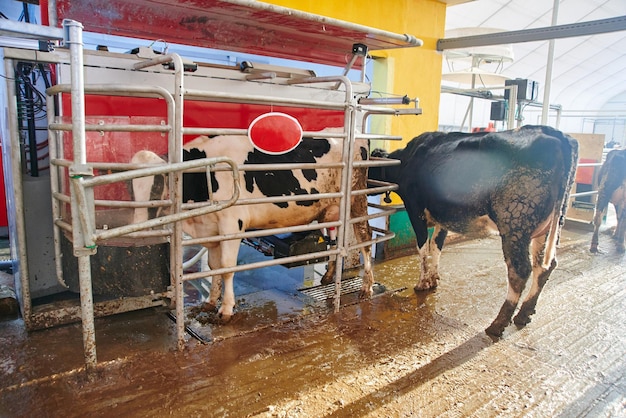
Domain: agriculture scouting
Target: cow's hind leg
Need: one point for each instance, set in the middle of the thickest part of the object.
(541, 272)
(620, 229)
(363, 233)
(601, 207)
(215, 257)
(331, 214)
(516, 256)
(223, 255)
(430, 253)
(331, 267)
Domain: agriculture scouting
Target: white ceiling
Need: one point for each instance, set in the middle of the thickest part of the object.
(589, 72)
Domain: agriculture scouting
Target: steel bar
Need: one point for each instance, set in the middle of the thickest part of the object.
(112, 128)
(404, 38)
(79, 168)
(30, 30)
(255, 99)
(381, 238)
(549, 64)
(594, 27)
(18, 190)
(346, 184)
(260, 264)
(55, 185)
(89, 229)
(262, 233)
(590, 193)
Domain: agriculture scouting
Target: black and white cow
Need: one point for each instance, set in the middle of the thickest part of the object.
(611, 189)
(518, 179)
(258, 184)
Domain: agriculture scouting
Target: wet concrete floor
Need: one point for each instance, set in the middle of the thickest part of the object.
(400, 354)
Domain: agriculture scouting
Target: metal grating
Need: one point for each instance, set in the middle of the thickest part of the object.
(325, 292)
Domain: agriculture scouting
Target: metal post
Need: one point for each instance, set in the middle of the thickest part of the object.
(55, 187)
(74, 39)
(346, 187)
(176, 190)
(18, 192)
(550, 62)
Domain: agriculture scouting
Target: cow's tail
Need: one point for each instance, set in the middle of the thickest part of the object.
(569, 152)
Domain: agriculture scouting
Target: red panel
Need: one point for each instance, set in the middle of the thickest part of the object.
(4, 219)
(205, 114)
(584, 175)
(262, 29)
(121, 146)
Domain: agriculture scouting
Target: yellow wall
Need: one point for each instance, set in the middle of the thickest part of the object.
(412, 71)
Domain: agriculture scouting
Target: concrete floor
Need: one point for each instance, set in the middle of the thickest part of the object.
(401, 354)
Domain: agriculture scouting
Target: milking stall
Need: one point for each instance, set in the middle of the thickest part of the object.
(114, 111)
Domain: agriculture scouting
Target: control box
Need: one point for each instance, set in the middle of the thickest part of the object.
(526, 89)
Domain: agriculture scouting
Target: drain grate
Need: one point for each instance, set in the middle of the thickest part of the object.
(323, 292)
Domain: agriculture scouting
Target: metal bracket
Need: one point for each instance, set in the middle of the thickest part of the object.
(358, 50)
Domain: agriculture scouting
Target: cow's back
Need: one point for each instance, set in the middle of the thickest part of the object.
(273, 183)
(459, 176)
(613, 172)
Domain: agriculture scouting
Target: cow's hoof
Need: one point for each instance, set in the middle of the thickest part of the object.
(209, 307)
(366, 294)
(621, 249)
(596, 250)
(425, 286)
(224, 318)
(327, 280)
(522, 319)
(495, 330)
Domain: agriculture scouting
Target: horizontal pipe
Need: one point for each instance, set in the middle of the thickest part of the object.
(259, 264)
(262, 233)
(385, 237)
(253, 99)
(594, 27)
(112, 128)
(410, 40)
(591, 193)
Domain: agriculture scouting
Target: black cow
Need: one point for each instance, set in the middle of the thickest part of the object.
(519, 179)
(612, 189)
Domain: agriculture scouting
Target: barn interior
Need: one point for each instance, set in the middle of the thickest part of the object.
(398, 354)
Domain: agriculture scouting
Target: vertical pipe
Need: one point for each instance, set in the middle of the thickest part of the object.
(18, 193)
(176, 187)
(55, 187)
(546, 91)
(75, 43)
(346, 189)
(74, 35)
(470, 123)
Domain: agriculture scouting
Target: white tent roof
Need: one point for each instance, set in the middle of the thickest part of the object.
(589, 72)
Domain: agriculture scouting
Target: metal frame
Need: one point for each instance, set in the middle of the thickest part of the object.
(80, 173)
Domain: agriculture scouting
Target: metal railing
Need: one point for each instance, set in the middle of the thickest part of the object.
(78, 172)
